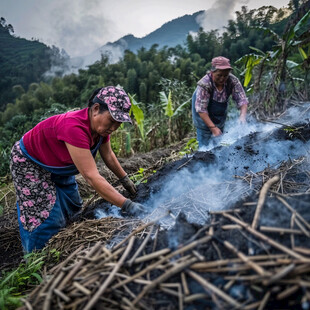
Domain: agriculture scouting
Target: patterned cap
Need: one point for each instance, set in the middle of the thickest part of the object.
(220, 63)
(117, 101)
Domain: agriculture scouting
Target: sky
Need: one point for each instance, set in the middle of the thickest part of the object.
(81, 26)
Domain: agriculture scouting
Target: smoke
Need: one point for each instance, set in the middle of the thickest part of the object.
(217, 16)
(242, 149)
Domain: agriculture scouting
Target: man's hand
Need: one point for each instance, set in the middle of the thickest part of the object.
(242, 119)
(133, 208)
(216, 131)
(128, 184)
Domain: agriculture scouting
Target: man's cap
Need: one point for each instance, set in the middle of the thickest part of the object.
(220, 63)
(117, 101)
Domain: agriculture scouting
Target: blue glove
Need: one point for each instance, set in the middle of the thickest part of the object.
(133, 208)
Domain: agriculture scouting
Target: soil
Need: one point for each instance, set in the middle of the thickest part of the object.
(250, 154)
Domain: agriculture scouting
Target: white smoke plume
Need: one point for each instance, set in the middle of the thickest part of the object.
(217, 16)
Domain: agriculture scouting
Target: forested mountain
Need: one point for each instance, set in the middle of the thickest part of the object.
(170, 34)
(22, 62)
(265, 55)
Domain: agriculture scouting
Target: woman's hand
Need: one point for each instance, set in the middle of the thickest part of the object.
(133, 208)
(128, 184)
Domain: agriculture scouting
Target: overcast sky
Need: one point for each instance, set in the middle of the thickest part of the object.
(81, 26)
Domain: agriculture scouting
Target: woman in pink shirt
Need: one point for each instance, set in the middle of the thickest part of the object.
(44, 162)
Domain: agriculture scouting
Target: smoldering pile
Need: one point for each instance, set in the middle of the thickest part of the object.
(255, 255)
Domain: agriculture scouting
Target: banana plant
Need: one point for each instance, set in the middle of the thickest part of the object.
(278, 58)
(170, 111)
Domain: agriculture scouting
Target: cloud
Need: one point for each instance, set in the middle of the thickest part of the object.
(83, 28)
(217, 16)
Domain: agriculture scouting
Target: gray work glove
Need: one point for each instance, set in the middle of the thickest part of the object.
(128, 184)
(133, 208)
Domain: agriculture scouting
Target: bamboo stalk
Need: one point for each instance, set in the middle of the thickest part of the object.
(266, 239)
(258, 269)
(103, 287)
(184, 284)
(229, 227)
(288, 292)
(151, 256)
(294, 211)
(142, 246)
(81, 288)
(61, 295)
(302, 250)
(279, 275)
(177, 268)
(210, 287)
(280, 230)
(261, 199)
(137, 231)
(48, 299)
(165, 258)
(77, 266)
(193, 297)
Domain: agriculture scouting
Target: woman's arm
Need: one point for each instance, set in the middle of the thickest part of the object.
(111, 160)
(86, 165)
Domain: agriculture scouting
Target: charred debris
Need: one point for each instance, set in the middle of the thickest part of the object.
(237, 241)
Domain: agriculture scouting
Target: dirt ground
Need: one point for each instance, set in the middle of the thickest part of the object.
(10, 246)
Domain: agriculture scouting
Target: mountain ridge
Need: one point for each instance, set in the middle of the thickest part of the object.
(170, 34)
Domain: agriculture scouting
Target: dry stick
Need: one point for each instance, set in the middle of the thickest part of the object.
(47, 301)
(305, 251)
(266, 239)
(210, 287)
(219, 263)
(292, 226)
(280, 230)
(151, 267)
(176, 269)
(261, 271)
(302, 228)
(264, 301)
(193, 297)
(142, 246)
(294, 211)
(261, 199)
(81, 288)
(184, 284)
(279, 275)
(103, 287)
(77, 266)
(151, 256)
(55, 271)
(137, 231)
(288, 292)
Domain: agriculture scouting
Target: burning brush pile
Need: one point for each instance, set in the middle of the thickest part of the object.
(228, 228)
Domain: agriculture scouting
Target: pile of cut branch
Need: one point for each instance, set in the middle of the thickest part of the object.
(85, 234)
(234, 262)
(135, 274)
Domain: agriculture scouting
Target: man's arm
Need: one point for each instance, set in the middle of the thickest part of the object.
(243, 112)
(85, 163)
(207, 120)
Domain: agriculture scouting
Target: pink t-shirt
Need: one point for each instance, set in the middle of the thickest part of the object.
(46, 141)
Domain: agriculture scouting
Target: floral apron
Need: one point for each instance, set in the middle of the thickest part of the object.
(47, 196)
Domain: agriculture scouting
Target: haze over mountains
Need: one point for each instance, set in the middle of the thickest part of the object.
(170, 34)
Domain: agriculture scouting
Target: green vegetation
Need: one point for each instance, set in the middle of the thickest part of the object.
(15, 284)
(22, 63)
(161, 81)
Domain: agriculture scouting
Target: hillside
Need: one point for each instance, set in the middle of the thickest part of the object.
(170, 34)
(22, 62)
